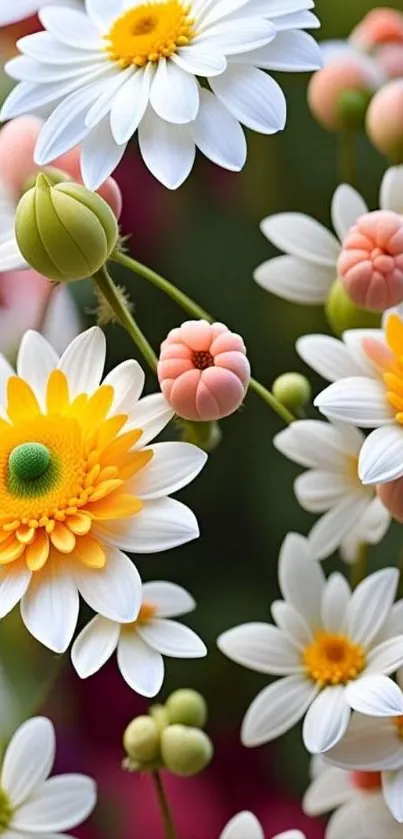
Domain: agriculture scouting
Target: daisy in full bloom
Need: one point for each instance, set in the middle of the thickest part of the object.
(31, 803)
(122, 66)
(374, 403)
(245, 825)
(305, 274)
(141, 644)
(325, 639)
(357, 799)
(78, 482)
(353, 514)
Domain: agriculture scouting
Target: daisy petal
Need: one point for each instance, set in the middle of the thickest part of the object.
(243, 826)
(173, 639)
(335, 601)
(329, 790)
(252, 97)
(328, 356)
(49, 607)
(331, 528)
(127, 380)
(169, 599)
(347, 206)
(14, 581)
(276, 709)
(151, 414)
(381, 457)
(196, 58)
(369, 745)
(376, 696)
(174, 464)
(114, 591)
(295, 279)
(362, 819)
(141, 666)
(218, 134)
(261, 647)
(392, 190)
(62, 802)
(370, 605)
(387, 656)
(292, 624)
(83, 361)
(318, 490)
(36, 360)
(392, 786)
(316, 444)
(130, 103)
(174, 93)
(159, 526)
(94, 646)
(301, 580)
(358, 400)
(326, 720)
(71, 27)
(302, 236)
(289, 52)
(28, 759)
(168, 150)
(100, 154)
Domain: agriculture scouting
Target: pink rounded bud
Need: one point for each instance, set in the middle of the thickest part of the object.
(370, 265)
(391, 495)
(203, 370)
(379, 26)
(384, 122)
(338, 95)
(390, 59)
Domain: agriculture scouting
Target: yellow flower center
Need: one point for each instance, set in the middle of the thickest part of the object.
(333, 659)
(62, 470)
(389, 361)
(146, 614)
(149, 32)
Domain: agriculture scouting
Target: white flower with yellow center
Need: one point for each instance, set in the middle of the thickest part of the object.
(307, 271)
(374, 403)
(245, 825)
(326, 639)
(353, 514)
(31, 803)
(141, 645)
(119, 66)
(78, 481)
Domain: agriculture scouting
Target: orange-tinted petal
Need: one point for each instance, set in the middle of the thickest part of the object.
(132, 462)
(62, 538)
(115, 506)
(120, 446)
(57, 395)
(10, 550)
(79, 523)
(394, 334)
(109, 429)
(37, 553)
(22, 402)
(97, 406)
(25, 534)
(105, 489)
(90, 552)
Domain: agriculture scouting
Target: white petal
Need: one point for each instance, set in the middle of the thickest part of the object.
(326, 535)
(335, 601)
(392, 190)
(243, 826)
(301, 579)
(151, 414)
(316, 444)
(295, 279)
(28, 759)
(302, 236)
(363, 818)
(71, 27)
(160, 525)
(10, 256)
(114, 591)
(62, 320)
(130, 103)
(48, 50)
(66, 126)
(347, 207)
(168, 150)
(329, 790)
(174, 93)
(94, 646)
(326, 720)
(103, 12)
(328, 356)
(358, 400)
(261, 647)
(392, 786)
(386, 657)
(376, 696)
(370, 605)
(169, 599)
(60, 803)
(100, 155)
(394, 622)
(36, 360)
(83, 361)
(276, 709)
(201, 61)
(218, 134)
(141, 666)
(317, 490)
(14, 582)
(127, 380)
(292, 51)
(292, 624)
(234, 37)
(354, 339)
(173, 466)
(49, 608)
(252, 97)
(381, 457)
(172, 638)
(376, 522)
(370, 744)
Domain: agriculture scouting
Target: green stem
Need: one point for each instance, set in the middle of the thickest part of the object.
(192, 308)
(347, 160)
(359, 568)
(163, 802)
(107, 287)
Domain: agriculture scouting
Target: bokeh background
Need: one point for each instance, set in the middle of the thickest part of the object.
(205, 237)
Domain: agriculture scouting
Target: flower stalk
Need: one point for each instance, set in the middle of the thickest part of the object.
(164, 805)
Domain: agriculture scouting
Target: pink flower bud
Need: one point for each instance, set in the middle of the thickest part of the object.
(389, 57)
(345, 77)
(384, 121)
(370, 265)
(203, 370)
(391, 495)
(379, 26)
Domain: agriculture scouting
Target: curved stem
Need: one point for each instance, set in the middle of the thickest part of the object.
(192, 308)
(163, 802)
(107, 287)
(359, 567)
(347, 160)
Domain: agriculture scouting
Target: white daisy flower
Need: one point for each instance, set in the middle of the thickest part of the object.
(245, 825)
(374, 403)
(325, 639)
(334, 358)
(353, 514)
(308, 270)
(14, 12)
(141, 645)
(31, 803)
(357, 799)
(79, 482)
(122, 66)
(374, 739)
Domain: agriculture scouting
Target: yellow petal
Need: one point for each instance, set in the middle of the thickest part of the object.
(62, 538)
(10, 550)
(97, 406)
(57, 395)
(120, 446)
(105, 489)
(79, 523)
(22, 402)
(133, 462)
(25, 534)
(37, 553)
(90, 552)
(109, 429)
(116, 506)
(394, 334)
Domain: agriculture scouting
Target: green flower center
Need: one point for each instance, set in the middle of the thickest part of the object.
(32, 470)
(6, 811)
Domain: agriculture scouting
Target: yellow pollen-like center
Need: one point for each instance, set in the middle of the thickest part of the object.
(333, 659)
(146, 614)
(388, 359)
(86, 482)
(149, 32)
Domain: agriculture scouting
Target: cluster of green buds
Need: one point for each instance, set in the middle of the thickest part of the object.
(170, 737)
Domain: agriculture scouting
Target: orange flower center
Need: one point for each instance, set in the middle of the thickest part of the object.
(366, 780)
(149, 32)
(333, 659)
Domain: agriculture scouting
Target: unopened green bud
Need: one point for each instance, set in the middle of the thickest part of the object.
(53, 175)
(293, 390)
(65, 232)
(185, 751)
(187, 707)
(159, 714)
(141, 741)
(343, 314)
(352, 108)
(205, 435)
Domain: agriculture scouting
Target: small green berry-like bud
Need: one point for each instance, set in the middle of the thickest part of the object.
(205, 435)
(159, 714)
(65, 232)
(293, 390)
(141, 740)
(187, 707)
(185, 751)
(343, 314)
(53, 175)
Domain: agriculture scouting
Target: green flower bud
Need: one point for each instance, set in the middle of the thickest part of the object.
(53, 175)
(159, 714)
(293, 390)
(141, 741)
(343, 314)
(64, 232)
(205, 435)
(352, 108)
(185, 751)
(187, 707)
